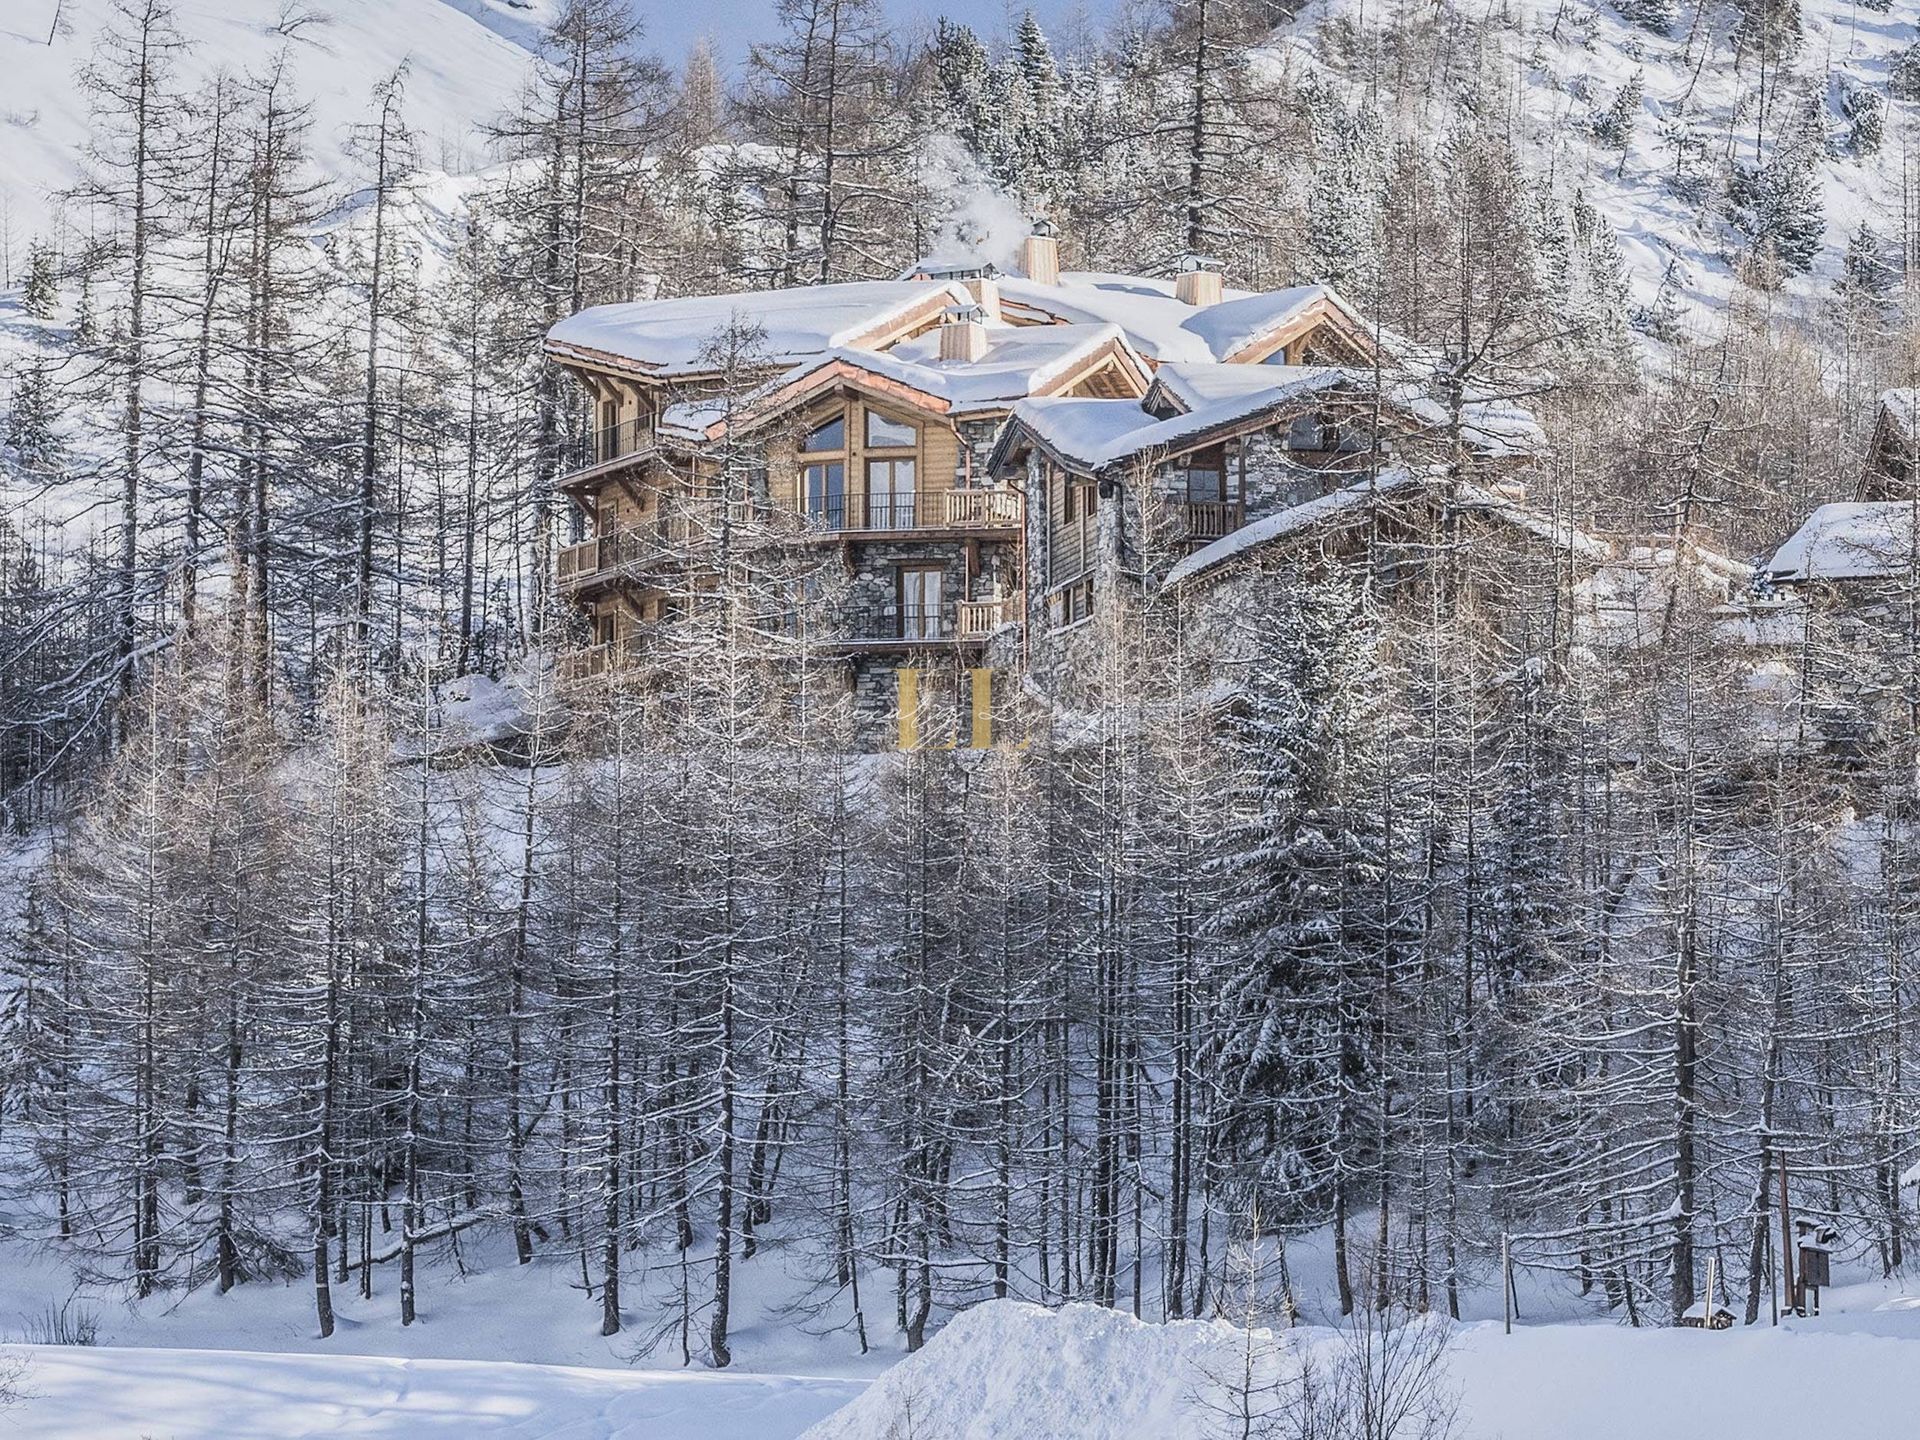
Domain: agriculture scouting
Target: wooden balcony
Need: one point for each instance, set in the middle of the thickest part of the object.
(1208, 520)
(994, 509)
(925, 512)
(629, 554)
(977, 619)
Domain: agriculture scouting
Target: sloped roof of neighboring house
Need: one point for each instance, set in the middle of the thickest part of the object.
(1353, 500)
(1901, 410)
(1492, 425)
(674, 337)
(1020, 361)
(1857, 541)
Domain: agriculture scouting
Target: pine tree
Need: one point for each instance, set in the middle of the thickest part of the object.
(1662, 318)
(1655, 15)
(1866, 114)
(1344, 203)
(1866, 275)
(40, 292)
(32, 431)
(1613, 127)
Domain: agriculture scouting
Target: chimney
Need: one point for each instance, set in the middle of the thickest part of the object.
(986, 293)
(1040, 254)
(963, 334)
(1198, 282)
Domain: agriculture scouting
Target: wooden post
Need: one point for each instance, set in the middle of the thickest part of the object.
(1786, 1241)
(1713, 1262)
(1506, 1279)
(909, 705)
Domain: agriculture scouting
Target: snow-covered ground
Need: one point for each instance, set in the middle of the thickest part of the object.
(126, 1394)
(1010, 1371)
(1016, 1372)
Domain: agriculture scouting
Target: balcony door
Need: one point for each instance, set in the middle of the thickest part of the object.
(609, 446)
(921, 592)
(826, 493)
(890, 495)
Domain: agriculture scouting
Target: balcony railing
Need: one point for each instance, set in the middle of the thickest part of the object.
(628, 552)
(915, 624)
(985, 509)
(1211, 519)
(977, 619)
(603, 446)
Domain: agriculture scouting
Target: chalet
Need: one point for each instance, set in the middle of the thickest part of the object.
(976, 452)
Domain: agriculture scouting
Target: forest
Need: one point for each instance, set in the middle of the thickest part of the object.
(1405, 917)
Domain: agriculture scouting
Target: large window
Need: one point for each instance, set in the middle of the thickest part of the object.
(890, 494)
(921, 591)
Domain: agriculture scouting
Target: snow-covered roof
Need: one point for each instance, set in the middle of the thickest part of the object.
(1093, 434)
(1019, 361)
(1290, 521)
(1853, 541)
(675, 337)
(1212, 397)
(1188, 385)
(1388, 484)
(1164, 328)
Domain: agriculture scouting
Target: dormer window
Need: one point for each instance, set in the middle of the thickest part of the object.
(1310, 431)
(1207, 476)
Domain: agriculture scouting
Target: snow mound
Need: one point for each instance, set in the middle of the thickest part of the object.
(1008, 1370)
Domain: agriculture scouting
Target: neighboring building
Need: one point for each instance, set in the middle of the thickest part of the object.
(1893, 453)
(981, 453)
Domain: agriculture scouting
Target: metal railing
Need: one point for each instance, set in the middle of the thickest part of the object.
(608, 443)
(908, 623)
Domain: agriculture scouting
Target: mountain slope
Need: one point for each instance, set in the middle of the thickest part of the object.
(1555, 65)
(465, 59)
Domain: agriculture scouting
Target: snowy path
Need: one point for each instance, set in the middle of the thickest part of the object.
(110, 1393)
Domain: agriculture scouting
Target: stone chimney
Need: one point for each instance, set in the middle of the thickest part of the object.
(963, 334)
(1040, 254)
(1198, 281)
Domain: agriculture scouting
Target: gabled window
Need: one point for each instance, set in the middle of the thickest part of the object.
(885, 434)
(827, 437)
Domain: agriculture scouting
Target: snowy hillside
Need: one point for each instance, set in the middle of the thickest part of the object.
(1560, 66)
(465, 60)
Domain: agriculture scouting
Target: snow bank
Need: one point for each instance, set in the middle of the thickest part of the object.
(1013, 1371)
